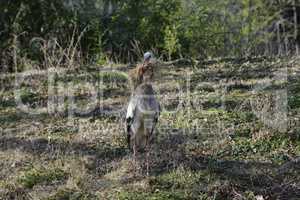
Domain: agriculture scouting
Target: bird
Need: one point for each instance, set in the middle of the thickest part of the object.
(142, 116)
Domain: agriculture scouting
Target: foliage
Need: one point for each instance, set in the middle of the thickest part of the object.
(195, 28)
(171, 41)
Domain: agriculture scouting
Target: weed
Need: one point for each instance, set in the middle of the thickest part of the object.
(69, 194)
(294, 101)
(158, 195)
(36, 176)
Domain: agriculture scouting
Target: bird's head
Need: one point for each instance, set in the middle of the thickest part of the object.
(147, 57)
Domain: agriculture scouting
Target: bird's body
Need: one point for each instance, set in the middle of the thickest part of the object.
(142, 116)
(143, 112)
(143, 109)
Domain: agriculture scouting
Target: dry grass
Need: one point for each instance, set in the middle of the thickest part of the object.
(214, 147)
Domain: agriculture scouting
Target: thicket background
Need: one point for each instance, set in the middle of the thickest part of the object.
(118, 31)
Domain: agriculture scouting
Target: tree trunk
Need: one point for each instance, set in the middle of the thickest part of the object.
(295, 28)
(279, 50)
(249, 27)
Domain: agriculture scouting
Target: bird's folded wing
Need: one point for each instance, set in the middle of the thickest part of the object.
(131, 108)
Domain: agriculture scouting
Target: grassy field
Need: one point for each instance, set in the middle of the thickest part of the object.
(227, 131)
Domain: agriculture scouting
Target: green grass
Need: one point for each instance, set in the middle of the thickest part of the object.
(105, 77)
(274, 148)
(158, 195)
(35, 176)
(179, 178)
(69, 194)
(27, 95)
(119, 77)
(294, 101)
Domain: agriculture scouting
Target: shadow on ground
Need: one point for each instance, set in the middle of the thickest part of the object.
(168, 154)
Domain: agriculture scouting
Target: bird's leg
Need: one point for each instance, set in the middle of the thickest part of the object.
(134, 152)
(128, 141)
(147, 155)
(147, 161)
(128, 124)
(134, 156)
(148, 143)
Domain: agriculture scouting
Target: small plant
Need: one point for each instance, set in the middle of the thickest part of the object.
(171, 41)
(272, 148)
(178, 179)
(69, 194)
(250, 195)
(158, 195)
(113, 79)
(102, 60)
(27, 95)
(36, 176)
(294, 101)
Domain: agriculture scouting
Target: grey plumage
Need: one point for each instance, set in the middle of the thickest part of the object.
(142, 116)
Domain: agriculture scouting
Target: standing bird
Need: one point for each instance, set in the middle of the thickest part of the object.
(142, 115)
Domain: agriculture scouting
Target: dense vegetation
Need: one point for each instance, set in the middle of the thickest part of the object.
(112, 30)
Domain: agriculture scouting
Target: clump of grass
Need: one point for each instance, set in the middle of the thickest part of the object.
(158, 195)
(272, 148)
(60, 130)
(37, 176)
(27, 95)
(188, 182)
(178, 178)
(67, 194)
(243, 131)
(180, 183)
(4, 185)
(294, 101)
(7, 103)
(113, 76)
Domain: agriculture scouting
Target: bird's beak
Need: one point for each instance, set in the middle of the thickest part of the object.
(147, 60)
